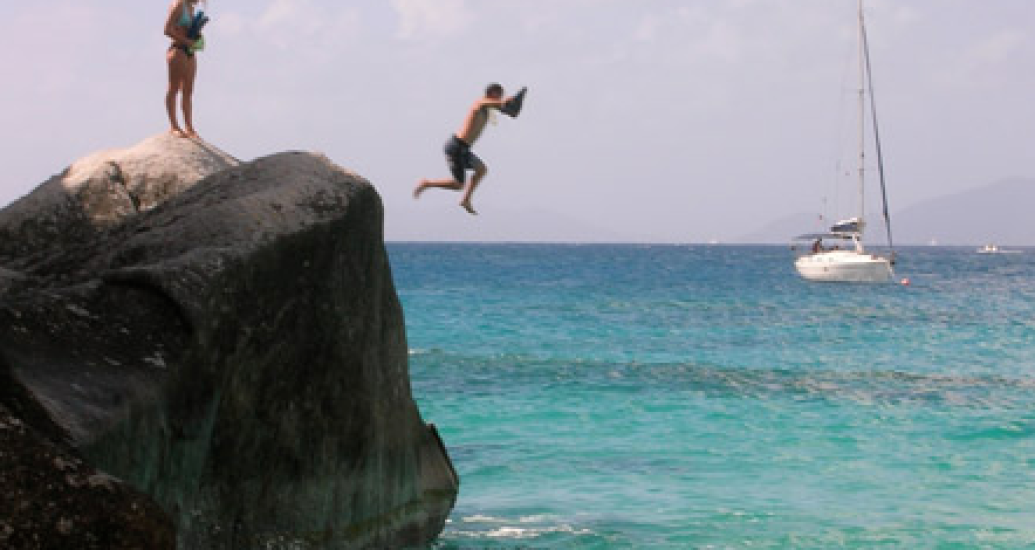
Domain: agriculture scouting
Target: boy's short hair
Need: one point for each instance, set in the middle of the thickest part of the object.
(493, 89)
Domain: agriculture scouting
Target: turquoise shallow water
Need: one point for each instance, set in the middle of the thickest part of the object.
(625, 396)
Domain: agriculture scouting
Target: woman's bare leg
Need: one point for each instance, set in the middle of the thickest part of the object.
(191, 70)
(175, 83)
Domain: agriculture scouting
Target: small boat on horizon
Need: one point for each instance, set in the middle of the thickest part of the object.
(994, 249)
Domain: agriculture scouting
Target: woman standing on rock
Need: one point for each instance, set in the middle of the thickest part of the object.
(183, 65)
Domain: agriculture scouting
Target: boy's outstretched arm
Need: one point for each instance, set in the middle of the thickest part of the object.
(492, 103)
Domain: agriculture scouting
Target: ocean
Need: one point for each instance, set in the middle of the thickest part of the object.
(664, 396)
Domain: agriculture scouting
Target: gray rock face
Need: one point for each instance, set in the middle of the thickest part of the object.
(53, 499)
(101, 190)
(232, 347)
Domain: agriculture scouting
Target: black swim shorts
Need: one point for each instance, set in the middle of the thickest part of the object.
(460, 158)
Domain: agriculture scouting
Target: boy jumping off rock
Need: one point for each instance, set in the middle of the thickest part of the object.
(459, 155)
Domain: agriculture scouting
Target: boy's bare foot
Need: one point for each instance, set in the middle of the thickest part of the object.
(191, 133)
(176, 132)
(420, 188)
(467, 206)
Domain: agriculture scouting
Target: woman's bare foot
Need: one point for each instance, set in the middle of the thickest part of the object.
(467, 206)
(176, 132)
(191, 133)
(420, 188)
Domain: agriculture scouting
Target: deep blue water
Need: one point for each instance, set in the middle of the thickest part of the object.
(624, 396)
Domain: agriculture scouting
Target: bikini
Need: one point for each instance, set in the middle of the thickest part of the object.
(185, 22)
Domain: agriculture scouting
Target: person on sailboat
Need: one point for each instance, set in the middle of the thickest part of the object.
(459, 155)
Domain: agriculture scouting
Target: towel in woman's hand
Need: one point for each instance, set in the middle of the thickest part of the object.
(200, 20)
(194, 32)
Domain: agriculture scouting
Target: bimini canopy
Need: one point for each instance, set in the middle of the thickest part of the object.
(821, 236)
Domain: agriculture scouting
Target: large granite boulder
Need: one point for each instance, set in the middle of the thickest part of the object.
(232, 347)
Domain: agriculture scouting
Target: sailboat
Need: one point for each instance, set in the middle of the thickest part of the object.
(846, 260)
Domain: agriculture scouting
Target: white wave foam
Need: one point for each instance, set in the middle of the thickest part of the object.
(533, 532)
(524, 532)
(483, 519)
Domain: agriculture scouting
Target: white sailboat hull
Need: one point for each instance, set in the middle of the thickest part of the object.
(844, 266)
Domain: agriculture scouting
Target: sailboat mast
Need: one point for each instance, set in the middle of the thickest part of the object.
(876, 144)
(862, 119)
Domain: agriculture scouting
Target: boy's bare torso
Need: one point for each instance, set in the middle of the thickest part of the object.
(474, 123)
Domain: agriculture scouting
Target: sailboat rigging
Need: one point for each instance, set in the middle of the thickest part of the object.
(834, 264)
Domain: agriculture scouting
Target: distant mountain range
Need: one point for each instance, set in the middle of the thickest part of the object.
(1000, 213)
(509, 225)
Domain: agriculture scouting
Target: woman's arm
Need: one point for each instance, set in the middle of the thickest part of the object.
(173, 29)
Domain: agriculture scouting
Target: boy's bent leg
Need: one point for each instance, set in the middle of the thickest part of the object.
(456, 152)
(480, 172)
(441, 183)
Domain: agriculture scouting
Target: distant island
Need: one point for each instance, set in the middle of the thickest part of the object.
(999, 213)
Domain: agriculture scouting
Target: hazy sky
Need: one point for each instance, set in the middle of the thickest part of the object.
(662, 120)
